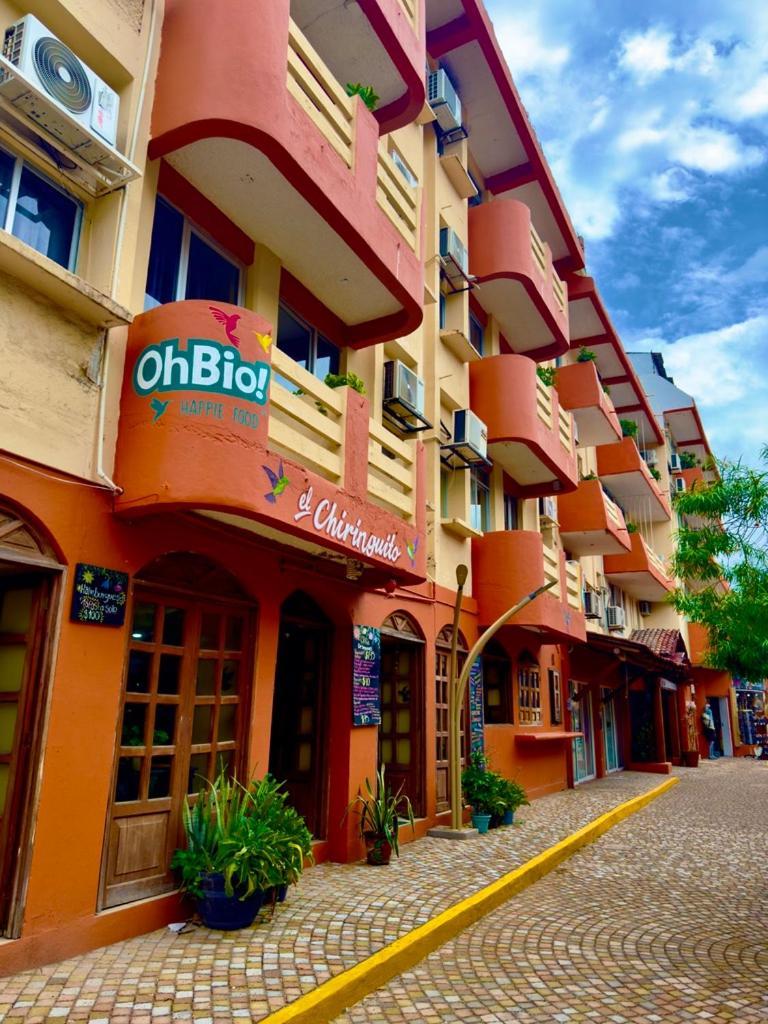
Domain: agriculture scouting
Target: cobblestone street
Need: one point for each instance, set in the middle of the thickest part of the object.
(661, 920)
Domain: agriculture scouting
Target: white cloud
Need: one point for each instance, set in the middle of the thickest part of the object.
(712, 150)
(753, 102)
(526, 48)
(671, 186)
(647, 54)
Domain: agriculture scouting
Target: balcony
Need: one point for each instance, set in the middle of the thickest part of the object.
(517, 281)
(529, 435)
(590, 523)
(509, 564)
(291, 159)
(623, 471)
(376, 42)
(205, 426)
(640, 572)
(582, 394)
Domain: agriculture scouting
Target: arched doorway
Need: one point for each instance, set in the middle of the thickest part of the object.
(442, 670)
(401, 733)
(299, 738)
(29, 574)
(186, 686)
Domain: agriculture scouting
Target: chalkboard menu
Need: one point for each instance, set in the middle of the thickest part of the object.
(99, 595)
(476, 734)
(366, 667)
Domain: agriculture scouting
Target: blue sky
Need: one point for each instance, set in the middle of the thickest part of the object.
(654, 118)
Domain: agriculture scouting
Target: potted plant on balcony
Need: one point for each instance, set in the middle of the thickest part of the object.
(365, 92)
(546, 375)
(380, 815)
(585, 356)
(631, 527)
(628, 428)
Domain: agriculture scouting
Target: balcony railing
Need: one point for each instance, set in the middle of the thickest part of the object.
(552, 569)
(409, 7)
(573, 583)
(314, 87)
(307, 424)
(544, 412)
(396, 197)
(543, 258)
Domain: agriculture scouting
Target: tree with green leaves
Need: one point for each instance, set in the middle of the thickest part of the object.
(722, 557)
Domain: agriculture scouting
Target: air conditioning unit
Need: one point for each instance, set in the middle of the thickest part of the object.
(470, 435)
(593, 605)
(614, 616)
(674, 462)
(403, 386)
(69, 100)
(444, 101)
(453, 252)
(644, 607)
(679, 484)
(548, 509)
(650, 457)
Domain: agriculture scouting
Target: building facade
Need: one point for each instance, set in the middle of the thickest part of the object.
(275, 365)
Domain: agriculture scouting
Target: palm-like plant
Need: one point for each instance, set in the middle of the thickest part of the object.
(380, 812)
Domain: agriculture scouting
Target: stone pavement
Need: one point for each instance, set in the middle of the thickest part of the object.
(664, 919)
(339, 915)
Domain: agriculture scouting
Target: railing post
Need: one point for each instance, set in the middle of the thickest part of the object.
(354, 478)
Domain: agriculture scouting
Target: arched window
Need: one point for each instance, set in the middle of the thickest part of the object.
(442, 670)
(529, 690)
(497, 685)
(401, 733)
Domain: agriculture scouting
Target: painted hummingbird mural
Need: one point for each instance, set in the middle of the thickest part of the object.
(279, 482)
(228, 322)
(412, 548)
(158, 408)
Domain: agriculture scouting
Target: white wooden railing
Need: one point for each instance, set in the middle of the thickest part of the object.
(573, 584)
(552, 569)
(409, 6)
(544, 402)
(311, 83)
(542, 257)
(391, 471)
(396, 197)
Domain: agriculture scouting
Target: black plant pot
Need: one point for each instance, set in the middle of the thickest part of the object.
(275, 894)
(226, 913)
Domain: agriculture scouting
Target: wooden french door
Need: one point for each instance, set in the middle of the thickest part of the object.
(442, 670)
(401, 730)
(183, 716)
(23, 608)
(299, 738)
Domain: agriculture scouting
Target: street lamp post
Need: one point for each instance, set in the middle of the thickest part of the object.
(457, 686)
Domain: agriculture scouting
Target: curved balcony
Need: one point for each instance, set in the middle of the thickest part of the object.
(380, 43)
(518, 283)
(590, 523)
(623, 470)
(529, 435)
(639, 572)
(205, 427)
(581, 393)
(509, 564)
(265, 131)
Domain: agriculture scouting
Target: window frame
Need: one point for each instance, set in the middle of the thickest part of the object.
(555, 697)
(20, 163)
(503, 713)
(187, 228)
(315, 335)
(479, 482)
(475, 322)
(529, 711)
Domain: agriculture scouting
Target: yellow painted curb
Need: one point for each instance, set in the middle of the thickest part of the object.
(334, 996)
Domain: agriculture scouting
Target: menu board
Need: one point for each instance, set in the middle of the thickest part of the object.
(476, 734)
(99, 595)
(366, 668)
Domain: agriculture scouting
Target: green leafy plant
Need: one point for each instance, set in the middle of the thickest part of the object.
(546, 374)
(340, 380)
(628, 428)
(589, 476)
(605, 388)
(631, 527)
(482, 787)
(365, 92)
(513, 795)
(380, 813)
(654, 473)
(585, 356)
(687, 460)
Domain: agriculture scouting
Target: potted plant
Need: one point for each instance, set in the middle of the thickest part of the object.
(379, 815)
(585, 355)
(514, 797)
(292, 838)
(480, 787)
(628, 428)
(229, 854)
(546, 375)
(365, 92)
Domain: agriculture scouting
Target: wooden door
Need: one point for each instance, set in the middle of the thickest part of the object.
(298, 741)
(442, 719)
(400, 732)
(23, 606)
(182, 718)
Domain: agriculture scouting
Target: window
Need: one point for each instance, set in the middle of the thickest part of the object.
(185, 265)
(441, 311)
(403, 167)
(529, 690)
(480, 501)
(476, 333)
(511, 509)
(497, 675)
(305, 345)
(445, 483)
(555, 697)
(38, 212)
(477, 199)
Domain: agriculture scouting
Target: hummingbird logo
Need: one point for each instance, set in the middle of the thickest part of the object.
(228, 322)
(158, 408)
(265, 340)
(279, 482)
(412, 548)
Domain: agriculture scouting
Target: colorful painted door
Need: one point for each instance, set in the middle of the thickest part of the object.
(181, 719)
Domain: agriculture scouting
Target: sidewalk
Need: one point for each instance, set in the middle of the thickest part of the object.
(338, 916)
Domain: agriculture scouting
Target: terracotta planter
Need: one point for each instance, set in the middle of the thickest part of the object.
(691, 758)
(378, 849)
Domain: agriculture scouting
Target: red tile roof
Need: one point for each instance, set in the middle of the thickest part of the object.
(666, 643)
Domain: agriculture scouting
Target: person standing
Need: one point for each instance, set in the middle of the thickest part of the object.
(708, 725)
